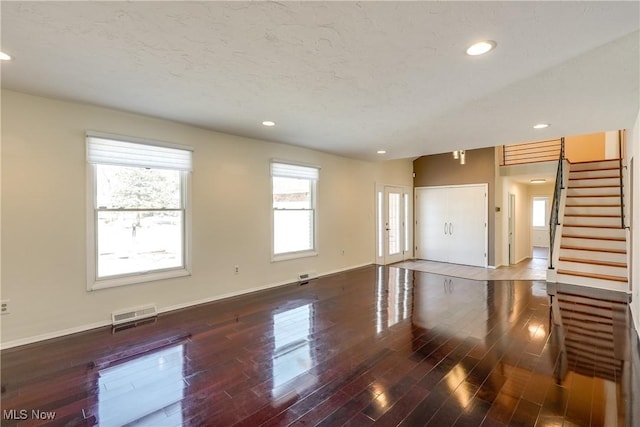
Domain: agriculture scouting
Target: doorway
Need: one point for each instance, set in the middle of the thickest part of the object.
(393, 224)
(512, 229)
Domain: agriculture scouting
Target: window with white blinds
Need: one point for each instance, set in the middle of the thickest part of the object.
(139, 212)
(294, 210)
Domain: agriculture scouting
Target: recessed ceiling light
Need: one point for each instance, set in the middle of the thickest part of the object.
(538, 181)
(381, 152)
(4, 57)
(541, 126)
(268, 123)
(481, 48)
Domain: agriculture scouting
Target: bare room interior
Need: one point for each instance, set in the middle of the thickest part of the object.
(320, 213)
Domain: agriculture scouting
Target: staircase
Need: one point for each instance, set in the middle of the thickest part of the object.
(593, 242)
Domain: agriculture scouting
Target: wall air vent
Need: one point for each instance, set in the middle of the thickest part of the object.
(133, 314)
(303, 278)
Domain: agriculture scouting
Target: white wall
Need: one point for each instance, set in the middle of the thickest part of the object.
(633, 152)
(43, 215)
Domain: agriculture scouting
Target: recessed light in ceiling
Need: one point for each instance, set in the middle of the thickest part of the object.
(541, 126)
(480, 48)
(538, 181)
(381, 152)
(268, 123)
(5, 57)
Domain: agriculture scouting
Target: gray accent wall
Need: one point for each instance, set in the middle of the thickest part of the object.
(443, 169)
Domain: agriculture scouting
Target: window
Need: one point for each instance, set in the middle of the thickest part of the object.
(138, 216)
(539, 214)
(294, 210)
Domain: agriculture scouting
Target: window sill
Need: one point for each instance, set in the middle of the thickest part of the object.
(137, 278)
(293, 255)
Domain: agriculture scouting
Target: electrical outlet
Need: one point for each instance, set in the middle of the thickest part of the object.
(5, 307)
(237, 269)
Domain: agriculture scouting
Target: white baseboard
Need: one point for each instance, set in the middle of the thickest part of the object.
(87, 327)
(55, 334)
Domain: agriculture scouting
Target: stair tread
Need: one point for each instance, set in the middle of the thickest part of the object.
(576, 187)
(592, 177)
(575, 236)
(593, 161)
(613, 227)
(591, 206)
(595, 195)
(595, 262)
(592, 216)
(580, 248)
(594, 276)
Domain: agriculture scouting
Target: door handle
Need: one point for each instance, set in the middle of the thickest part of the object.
(445, 228)
(450, 229)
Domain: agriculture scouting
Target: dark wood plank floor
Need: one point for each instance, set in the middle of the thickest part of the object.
(376, 345)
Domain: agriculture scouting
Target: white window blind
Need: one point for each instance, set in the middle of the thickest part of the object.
(287, 170)
(121, 153)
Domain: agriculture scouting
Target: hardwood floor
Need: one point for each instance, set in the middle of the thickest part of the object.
(376, 345)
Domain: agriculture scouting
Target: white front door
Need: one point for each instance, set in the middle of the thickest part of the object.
(394, 224)
(393, 232)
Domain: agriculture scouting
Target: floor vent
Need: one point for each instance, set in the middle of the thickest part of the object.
(303, 278)
(133, 314)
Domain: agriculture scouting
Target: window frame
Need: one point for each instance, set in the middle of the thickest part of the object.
(314, 251)
(93, 281)
(546, 200)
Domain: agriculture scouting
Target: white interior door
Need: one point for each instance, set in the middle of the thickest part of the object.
(468, 225)
(451, 224)
(394, 224)
(432, 225)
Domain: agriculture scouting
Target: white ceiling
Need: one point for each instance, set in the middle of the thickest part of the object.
(344, 77)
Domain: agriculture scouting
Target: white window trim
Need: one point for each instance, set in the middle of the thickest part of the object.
(93, 283)
(297, 254)
(546, 212)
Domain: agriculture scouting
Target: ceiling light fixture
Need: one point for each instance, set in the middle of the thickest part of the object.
(268, 123)
(5, 57)
(480, 48)
(381, 152)
(541, 126)
(538, 181)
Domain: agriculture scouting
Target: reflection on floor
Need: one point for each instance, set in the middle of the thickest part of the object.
(376, 345)
(529, 269)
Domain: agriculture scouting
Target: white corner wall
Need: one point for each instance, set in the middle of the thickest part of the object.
(43, 250)
(633, 152)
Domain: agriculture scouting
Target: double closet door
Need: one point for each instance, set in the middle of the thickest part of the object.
(451, 224)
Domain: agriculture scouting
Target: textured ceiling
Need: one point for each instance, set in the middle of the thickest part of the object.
(344, 77)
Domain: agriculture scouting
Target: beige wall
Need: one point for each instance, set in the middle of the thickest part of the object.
(584, 148)
(43, 215)
(442, 169)
(632, 147)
